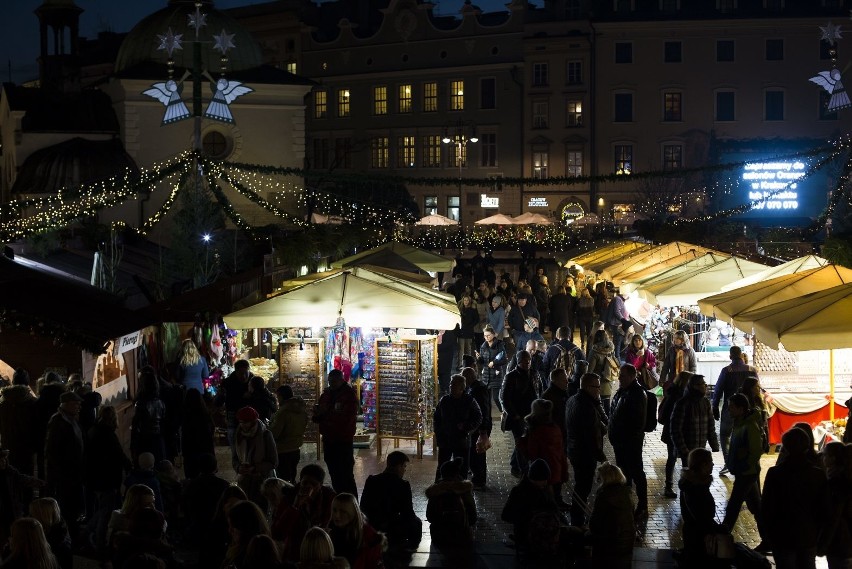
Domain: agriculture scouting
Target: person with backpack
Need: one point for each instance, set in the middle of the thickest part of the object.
(730, 381)
(627, 433)
(602, 362)
(456, 417)
(451, 510)
(692, 424)
(530, 508)
(563, 353)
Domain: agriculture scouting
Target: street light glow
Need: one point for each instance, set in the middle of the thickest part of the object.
(206, 238)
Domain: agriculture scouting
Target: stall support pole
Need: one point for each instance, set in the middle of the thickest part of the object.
(831, 384)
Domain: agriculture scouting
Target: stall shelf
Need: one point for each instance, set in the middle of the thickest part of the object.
(301, 367)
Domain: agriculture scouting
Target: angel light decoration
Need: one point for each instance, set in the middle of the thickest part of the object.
(830, 81)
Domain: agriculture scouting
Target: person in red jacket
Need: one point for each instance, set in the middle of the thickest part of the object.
(335, 413)
(353, 537)
(544, 441)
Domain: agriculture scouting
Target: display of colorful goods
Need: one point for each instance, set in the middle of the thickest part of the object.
(265, 368)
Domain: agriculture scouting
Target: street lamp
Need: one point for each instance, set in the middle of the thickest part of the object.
(463, 133)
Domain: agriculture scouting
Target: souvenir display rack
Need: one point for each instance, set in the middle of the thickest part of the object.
(406, 381)
(301, 367)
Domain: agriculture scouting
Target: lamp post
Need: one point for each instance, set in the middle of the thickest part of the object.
(463, 132)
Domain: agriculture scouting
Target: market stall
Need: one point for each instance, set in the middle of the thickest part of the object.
(648, 258)
(798, 265)
(425, 260)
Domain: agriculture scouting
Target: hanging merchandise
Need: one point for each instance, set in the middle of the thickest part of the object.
(216, 350)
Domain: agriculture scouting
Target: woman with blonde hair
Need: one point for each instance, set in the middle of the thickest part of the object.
(352, 536)
(138, 497)
(192, 367)
(29, 547)
(317, 552)
(46, 511)
(611, 525)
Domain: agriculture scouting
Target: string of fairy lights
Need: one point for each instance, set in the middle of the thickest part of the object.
(289, 194)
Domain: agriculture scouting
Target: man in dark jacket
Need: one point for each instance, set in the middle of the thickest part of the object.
(232, 393)
(561, 313)
(63, 457)
(517, 395)
(457, 416)
(565, 350)
(18, 422)
(586, 424)
(627, 433)
(792, 506)
(482, 396)
(692, 424)
(48, 402)
(336, 412)
(518, 316)
(387, 503)
(730, 381)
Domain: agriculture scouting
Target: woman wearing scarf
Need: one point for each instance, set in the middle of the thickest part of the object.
(254, 456)
(679, 357)
(639, 356)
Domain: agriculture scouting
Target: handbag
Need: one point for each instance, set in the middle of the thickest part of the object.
(650, 378)
(613, 364)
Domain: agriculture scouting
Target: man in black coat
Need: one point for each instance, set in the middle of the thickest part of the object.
(48, 402)
(562, 307)
(18, 422)
(231, 394)
(627, 433)
(518, 393)
(387, 503)
(586, 425)
(482, 395)
(457, 415)
(63, 457)
(517, 319)
(563, 345)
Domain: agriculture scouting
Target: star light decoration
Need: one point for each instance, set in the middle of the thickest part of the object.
(170, 41)
(224, 42)
(831, 33)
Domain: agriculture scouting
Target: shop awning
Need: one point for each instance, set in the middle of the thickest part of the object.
(790, 267)
(732, 304)
(425, 260)
(675, 272)
(599, 251)
(648, 258)
(362, 297)
(686, 289)
(626, 279)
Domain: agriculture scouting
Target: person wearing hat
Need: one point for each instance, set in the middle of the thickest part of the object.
(518, 317)
(533, 494)
(544, 441)
(255, 455)
(63, 457)
(288, 426)
(451, 510)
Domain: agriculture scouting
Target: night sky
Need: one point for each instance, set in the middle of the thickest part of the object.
(19, 25)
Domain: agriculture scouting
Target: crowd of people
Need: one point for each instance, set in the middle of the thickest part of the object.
(68, 485)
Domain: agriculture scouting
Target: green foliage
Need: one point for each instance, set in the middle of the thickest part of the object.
(838, 250)
(45, 243)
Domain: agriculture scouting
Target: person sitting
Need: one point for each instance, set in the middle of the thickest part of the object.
(387, 502)
(219, 537)
(317, 552)
(531, 496)
(272, 491)
(352, 536)
(263, 553)
(46, 511)
(138, 497)
(145, 475)
(698, 508)
(307, 504)
(612, 528)
(451, 511)
(145, 534)
(245, 521)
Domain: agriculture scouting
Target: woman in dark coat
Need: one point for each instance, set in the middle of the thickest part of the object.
(611, 527)
(698, 508)
(197, 431)
(146, 431)
(491, 358)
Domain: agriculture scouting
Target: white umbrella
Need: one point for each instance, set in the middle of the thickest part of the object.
(496, 219)
(362, 297)
(530, 218)
(436, 219)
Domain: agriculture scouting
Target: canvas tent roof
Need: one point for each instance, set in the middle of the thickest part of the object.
(601, 251)
(649, 272)
(361, 296)
(686, 289)
(649, 257)
(732, 304)
(425, 260)
(790, 267)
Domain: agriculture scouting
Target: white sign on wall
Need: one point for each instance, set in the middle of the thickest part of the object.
(537, 202)
(488, 202)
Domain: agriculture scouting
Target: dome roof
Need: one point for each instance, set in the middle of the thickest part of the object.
(140, 45)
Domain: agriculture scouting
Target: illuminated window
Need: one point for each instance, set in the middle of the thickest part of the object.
(453, 207)
(430, 205)
(672, 156)
(540, 113)
(343, 103)
(430, 97)
(380, 100)
(574, 163)
(405, 150)
(291, 67)
(405, 98)
(488, 150)
(574, 72)
(432, 152)
(540, 161)
(379, 152)
(457, 95)
(574, 113)
(623, 158)
(539, 75)
(672, 109)
(458, 155)
(320, 104)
